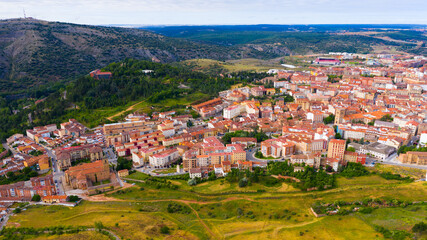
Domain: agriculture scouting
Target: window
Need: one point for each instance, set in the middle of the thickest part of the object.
(12, 192)
(42, 182)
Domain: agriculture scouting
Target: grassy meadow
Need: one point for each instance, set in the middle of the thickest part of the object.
(222, 210)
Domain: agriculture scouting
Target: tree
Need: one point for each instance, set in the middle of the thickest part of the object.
(36, 198)
(99, 226)
(329, 119)
(73, 198)
(259, 154)
(386, 118)
(17, 210)
(338, 136)
(192, 182)
(123, 163)
(354, 170)
(351, 149)
(190, 123)
(211, 176)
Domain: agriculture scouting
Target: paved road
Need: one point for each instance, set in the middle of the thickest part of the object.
(404, 165)
(149, 171)
(4, 222)
(250, 157)
(109, 153)
(394, 162)
(57, 173)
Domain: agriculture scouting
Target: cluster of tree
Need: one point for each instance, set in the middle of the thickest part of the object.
(329, 119)
(286, 97)
(386, 118)
(20, 233)
(36, 153)
(420, 227)
(73, 198)
(404, 149)
(309, 177)
(79, 161)
(391, 176)
(353, 170)
(123, 163)
(334, 78)
(351, 149)
(392, 234)
(244, 178)
(22, 175)
(260, 136)
(178, 208)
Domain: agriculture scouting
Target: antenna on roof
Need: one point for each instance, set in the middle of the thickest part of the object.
(25, 15)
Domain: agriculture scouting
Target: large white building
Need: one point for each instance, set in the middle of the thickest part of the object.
(232, 111)
(164, 158)
(423, 138)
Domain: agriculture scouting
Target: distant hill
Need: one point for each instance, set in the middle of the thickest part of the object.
(34, 52)
(307, 39)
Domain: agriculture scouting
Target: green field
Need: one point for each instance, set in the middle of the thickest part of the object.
(221, 210)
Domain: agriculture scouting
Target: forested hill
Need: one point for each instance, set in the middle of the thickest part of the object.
(34, 52)
(86, 99)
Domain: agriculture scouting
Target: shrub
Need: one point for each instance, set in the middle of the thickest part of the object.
(192, 182)
(178, 208)
(73, 198)
(419, 227)
(99, 226)
(243, 182)
(165, 230)
(366, 210)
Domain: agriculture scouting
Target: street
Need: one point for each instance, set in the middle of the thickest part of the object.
(57, 173)
(109, 153)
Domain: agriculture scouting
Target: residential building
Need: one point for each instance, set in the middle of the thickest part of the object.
(336, 149)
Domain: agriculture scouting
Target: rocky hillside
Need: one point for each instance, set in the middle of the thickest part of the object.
(34, 52)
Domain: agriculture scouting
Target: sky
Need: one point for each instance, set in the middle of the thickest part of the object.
(219, 12)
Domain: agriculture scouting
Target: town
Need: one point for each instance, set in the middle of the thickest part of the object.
(322, 119)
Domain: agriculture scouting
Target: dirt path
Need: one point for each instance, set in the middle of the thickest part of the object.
(127, 109)
(275, 230)
(201, 221)
(198, 202)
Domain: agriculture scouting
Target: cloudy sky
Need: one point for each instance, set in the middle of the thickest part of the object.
(201, 12)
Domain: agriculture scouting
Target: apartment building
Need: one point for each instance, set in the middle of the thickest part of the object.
(336, 148)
